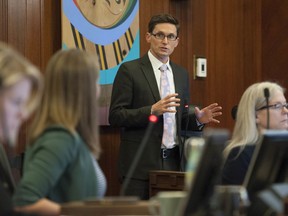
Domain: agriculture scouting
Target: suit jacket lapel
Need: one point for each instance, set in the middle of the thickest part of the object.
(177, 81)
(150, 76)
(178, 85)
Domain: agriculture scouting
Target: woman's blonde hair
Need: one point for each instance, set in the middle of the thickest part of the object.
(14, 68)
(245, 129)
(70, 96)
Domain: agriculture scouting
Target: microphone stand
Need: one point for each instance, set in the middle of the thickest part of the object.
(152, 120)
(185, 135)
(267, 95)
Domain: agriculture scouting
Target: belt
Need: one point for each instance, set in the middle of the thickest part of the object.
(170, 153)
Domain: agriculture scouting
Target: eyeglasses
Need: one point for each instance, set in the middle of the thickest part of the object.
(277, 106)
(161, 36)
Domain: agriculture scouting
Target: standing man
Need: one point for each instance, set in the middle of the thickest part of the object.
(154, 85)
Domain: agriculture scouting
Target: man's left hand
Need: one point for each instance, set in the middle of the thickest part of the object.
(208, 114)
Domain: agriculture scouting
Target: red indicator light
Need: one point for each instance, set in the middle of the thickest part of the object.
(153, 118)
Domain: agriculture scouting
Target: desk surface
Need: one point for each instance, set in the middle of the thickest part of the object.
(107, 208)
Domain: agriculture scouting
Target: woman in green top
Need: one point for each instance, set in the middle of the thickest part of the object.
(61, 160)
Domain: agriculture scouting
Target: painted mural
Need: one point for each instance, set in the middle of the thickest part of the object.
(108, 27)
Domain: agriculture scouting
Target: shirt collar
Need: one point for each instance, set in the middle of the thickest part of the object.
(156, 64)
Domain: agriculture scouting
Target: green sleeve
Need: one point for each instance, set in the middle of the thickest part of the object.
(44, 164)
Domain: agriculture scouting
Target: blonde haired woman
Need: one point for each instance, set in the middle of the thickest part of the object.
(61, 161)
(251, 120)
(20, 91)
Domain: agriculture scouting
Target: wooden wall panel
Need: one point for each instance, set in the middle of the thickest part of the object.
(110, 140)
(244, 42)
(33, 31)
(196, 46)
(26, 28)
(233, 50)
(3, 20)
(16, 22)
(33, 27)
(50, 17)
(274, 41)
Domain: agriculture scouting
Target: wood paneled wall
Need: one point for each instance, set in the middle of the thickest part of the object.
(274, 42)
(32, 27)
(244, 42)
(233, 42)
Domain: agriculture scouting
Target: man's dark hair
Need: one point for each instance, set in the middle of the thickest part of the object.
(163, 18)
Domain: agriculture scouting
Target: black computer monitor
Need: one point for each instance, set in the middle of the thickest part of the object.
(207, 173)
(269, 163)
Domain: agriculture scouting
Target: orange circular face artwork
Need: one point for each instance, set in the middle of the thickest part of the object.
(95, 11)
(109, 28)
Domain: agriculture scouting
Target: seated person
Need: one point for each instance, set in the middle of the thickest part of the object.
(61, 159)
(20, 92)
(251, 120)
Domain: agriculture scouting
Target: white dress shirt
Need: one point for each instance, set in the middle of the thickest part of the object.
(156, 64)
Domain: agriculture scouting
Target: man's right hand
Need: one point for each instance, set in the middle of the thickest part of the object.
(166, 104)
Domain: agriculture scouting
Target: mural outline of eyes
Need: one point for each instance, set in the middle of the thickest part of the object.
(105, 13)
(117, 1)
